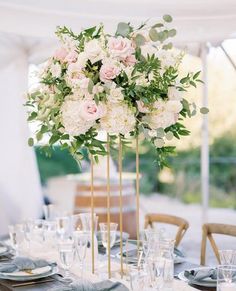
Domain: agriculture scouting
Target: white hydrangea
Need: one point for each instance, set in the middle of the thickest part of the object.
(174, 93)
(119, 119)
(158, 119)
(174, 106)
(55, 69)
(71, 118)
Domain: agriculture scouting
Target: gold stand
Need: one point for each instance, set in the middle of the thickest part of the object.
(92, 212)
(121, 206)
(137, 189)
(108, 206)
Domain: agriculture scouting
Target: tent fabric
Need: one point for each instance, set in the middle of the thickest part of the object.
(196, 21)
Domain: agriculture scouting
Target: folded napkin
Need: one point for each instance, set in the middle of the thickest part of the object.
(200, 274)
(22, 263)
(87, 286)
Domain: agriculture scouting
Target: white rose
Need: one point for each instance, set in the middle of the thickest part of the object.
(174, 106)
(115, 95)
(93, 50)
(157, 119)
(55, 69)
(167, 57)
(174, 93)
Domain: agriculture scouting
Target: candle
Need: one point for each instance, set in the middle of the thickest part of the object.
(227, 287)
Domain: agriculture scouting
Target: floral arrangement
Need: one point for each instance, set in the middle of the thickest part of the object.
(127, 84)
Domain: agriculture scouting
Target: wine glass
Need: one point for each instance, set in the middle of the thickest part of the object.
(81, 239)
(105, 234)
(50, 211)
(226, 279)
(16, 233)
(66, 249)
(63, 227)
(227, 257)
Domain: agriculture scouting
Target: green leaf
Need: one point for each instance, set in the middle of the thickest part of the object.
(169, 135)
(195, 76)
(172, 32)
(39, 135)
(32, 116)
(167, 18)
(204, 110)
(123, 29)
(157, 25)
(193, 84)
(30, 141)
(153, 34)
(90, 86)
(168, 46)
(139, 40)
(53, 139)
(160, 132)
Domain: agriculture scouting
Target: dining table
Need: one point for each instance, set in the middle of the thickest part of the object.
(48, 283)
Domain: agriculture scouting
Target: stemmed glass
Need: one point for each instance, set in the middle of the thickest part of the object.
(81, 239)
(63, 227)
(227, 257)
(66, 249)
(16, 233)
(105, 234)
(226, 278)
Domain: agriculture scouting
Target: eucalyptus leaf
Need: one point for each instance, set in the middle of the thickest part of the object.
(123, 29)
(167, 18)
(30, 141)
(169, 135)
(153, 34)
(139, 40)
(157, 25)
(90, 86)
(172, 32)
(204, 110)
(160, 132)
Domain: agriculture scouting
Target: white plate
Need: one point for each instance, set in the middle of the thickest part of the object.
(22, 276)
(3, 250)
(205, 282)
(37, 271)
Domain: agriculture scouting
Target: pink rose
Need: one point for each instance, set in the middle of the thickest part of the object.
(71, 57)
(130, 60)
(60, 54)
(120, 47)
(108, 72)
(83, 83)
(90, 111)
(141, 107)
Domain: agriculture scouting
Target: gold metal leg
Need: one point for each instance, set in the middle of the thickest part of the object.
(121, 206)
(92, 212)
(108, 206)
(137, 189)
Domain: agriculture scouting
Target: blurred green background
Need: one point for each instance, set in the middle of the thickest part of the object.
(181, 181)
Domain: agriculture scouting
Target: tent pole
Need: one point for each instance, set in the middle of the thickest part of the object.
(205, 138)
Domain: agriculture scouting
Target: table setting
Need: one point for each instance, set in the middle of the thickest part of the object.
(55, 254)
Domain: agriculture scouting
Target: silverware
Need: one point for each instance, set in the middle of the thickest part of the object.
(32, 283)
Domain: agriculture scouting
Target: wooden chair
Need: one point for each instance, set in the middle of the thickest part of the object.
(214, 228)
(168, 219)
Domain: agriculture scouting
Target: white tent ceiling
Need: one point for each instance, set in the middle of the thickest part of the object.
(196, 21)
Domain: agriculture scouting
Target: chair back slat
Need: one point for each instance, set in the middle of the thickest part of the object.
(181, 223)
(214, 228)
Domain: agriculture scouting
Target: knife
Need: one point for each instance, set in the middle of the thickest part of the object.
(32, 283)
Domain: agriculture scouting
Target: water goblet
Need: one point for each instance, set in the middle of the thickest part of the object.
(16, 233)
(227, 257)
(226, 278)
(81, 239)
(105, 234)
(63, 227)
(66, 249)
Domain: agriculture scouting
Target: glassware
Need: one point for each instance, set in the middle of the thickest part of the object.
(49, 232)
(227, 257)
(104, 234)
(16, 233)
(155, 269)
(37, 231)
(50, 211)
(76, 223)
(66, 249)
(81, 239)
(226, 278)
(138, 278)
(63, 227)
(27, 226)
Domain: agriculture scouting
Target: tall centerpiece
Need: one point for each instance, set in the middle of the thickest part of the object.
(124, 84)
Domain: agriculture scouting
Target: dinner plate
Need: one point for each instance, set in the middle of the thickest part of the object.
(207, 282)
(37, 274)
